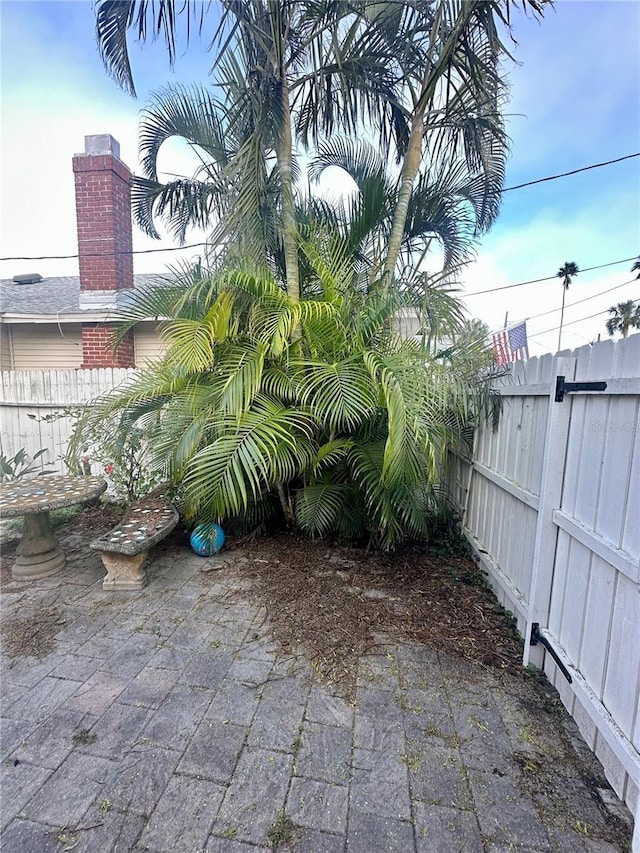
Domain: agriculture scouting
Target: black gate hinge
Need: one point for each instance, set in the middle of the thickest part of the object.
(538, 637)
(563, 387)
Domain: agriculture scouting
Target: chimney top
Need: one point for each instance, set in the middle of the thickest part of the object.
(102, 143)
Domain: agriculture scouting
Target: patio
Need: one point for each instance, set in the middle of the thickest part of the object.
(169, 720)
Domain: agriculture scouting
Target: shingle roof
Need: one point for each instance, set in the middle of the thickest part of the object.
(55, 296)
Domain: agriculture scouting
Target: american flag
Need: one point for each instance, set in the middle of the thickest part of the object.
(511, 344)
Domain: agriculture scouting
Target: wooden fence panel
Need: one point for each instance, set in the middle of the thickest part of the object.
(33, 403)
(552, 509)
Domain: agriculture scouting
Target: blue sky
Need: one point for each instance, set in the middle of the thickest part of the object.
(575, 100)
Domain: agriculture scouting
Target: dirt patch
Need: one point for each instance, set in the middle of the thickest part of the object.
(32, 635)
(92, 521)
(339, 603)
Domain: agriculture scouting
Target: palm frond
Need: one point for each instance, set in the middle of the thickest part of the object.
(340, 395)
(267, 445)
(321, 509)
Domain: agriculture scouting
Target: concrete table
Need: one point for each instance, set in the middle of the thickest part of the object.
(38, 555)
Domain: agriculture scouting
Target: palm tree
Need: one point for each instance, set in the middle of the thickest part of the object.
(566, 273)
(636, 266)
(284, 382)
(447, 205)
(625, 316)
(341, 430)
(422, 78)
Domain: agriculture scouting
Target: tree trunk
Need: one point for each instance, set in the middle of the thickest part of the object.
(410, 168)
(441, 53)
(289, 235)
(564, 293)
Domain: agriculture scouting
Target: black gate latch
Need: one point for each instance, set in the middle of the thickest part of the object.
(563, 387)
(538, 637)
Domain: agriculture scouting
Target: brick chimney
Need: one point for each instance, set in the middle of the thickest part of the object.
(103, 213)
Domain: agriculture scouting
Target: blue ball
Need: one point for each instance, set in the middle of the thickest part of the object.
(207, 539)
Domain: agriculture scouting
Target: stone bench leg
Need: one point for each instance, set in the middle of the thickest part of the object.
(123, 571)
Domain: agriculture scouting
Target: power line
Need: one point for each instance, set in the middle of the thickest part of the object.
(198, 245)
(548, 278)
(586, 299)
(572, 172)
(105, 254)
(573, 322)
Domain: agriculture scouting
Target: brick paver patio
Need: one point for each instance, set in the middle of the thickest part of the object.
(166, 720)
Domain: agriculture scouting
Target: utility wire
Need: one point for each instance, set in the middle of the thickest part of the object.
(573, 322)
(586, 299)
(197, 245)
(572, 172)
(105, 254)
(548, 278)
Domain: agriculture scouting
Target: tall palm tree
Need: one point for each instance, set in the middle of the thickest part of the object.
(625, 316)
(298, 71)
(567, 272)
(636, 266)
(282, 67)
(315, 403)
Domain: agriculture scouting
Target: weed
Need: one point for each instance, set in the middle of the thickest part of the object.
(527, 762)
(281, 831)
(413, 760)
(68, 838)
(478, 723)
(229, 833)
(84, 737)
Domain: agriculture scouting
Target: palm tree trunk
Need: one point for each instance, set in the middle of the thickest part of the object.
(289, 236)
(410, 168)
(445, 34)
(564, 293)
(440, 53)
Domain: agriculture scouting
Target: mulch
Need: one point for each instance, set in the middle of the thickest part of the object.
(339, 603)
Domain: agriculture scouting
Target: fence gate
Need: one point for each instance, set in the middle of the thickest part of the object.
(552, 510)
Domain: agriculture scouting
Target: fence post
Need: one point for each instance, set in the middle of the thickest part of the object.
(553, 465)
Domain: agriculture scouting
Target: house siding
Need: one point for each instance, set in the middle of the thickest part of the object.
(5, 347)
(43, 347)
(148, 345)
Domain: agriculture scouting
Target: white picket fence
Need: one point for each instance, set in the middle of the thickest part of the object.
(550, 503)
(33, 403)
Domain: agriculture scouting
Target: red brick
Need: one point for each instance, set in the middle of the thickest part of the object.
(103, 211)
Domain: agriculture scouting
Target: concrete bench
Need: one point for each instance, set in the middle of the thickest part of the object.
(124, 549)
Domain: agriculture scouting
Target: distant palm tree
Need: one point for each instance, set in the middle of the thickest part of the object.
(566, 273)
(625, 315)
(636, 266)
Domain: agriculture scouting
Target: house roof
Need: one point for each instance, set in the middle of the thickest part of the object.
(58, 298)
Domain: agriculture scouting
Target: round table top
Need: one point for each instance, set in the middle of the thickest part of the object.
(51, 491)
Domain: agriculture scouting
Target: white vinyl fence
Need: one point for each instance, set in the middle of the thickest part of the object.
(33, 403)
(550, 503)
